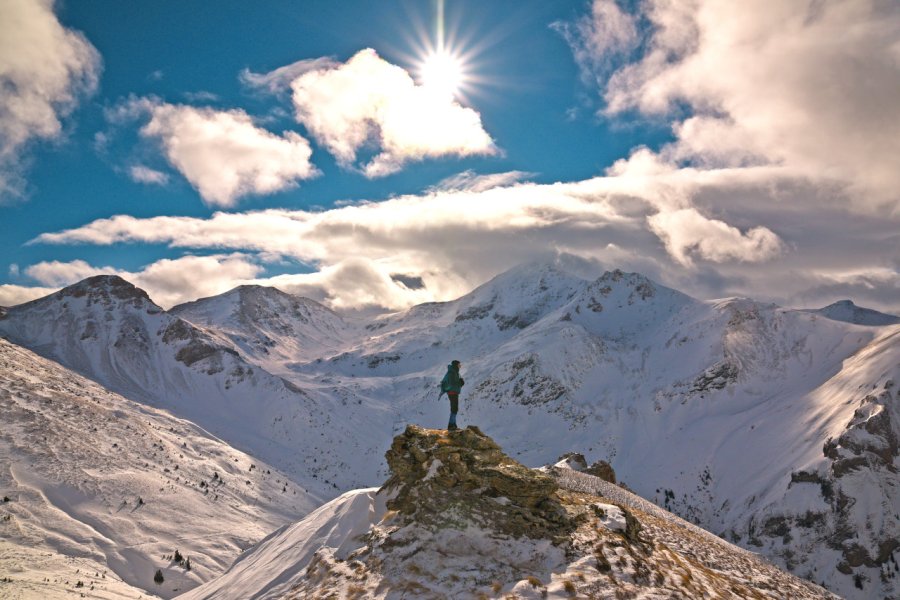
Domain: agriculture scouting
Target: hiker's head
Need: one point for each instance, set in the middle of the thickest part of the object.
(455, 363)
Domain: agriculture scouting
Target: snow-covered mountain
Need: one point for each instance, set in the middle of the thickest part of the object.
(774, 428)
(110, 331)
(460, 519)
(269, 326)
(845, 310)
(98, 492)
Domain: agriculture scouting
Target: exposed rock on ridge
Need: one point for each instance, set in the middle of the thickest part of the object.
(460, 519)
(439, 476)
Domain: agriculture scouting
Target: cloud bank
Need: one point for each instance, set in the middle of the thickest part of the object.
(713, 232)
(455, 239)
(168, 281)
(44, 69)
(812, 86)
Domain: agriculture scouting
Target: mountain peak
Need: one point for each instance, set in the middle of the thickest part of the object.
(256, 289)
(842, 303)
(115, 285)
(848, 312)
(103, 289)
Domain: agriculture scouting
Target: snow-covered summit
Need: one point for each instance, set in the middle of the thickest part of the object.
(268, 326)
(847, 311)
(107, 291)
(458, 518)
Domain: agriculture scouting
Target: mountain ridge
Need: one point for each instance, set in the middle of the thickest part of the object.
(847, 311)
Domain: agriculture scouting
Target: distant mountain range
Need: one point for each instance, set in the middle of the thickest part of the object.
(777, 429)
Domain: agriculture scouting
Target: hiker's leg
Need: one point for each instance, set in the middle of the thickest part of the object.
(454, 408)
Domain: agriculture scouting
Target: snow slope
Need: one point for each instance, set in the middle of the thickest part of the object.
(98, 489)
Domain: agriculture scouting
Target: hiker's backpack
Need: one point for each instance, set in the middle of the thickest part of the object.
(445, 385)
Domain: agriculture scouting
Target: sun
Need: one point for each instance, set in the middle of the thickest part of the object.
(442, 73)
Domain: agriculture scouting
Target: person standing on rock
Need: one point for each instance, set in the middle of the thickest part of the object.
(452, 385)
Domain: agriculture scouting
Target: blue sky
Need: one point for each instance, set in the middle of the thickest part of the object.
(191, 147)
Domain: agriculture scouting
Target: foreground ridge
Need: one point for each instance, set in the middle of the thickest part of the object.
(460, 519)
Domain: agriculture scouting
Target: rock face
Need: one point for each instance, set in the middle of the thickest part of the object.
(577, 461)
(845, 503)
(440, 478)
(460, 519)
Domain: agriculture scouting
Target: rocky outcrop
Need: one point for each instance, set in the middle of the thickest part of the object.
(459, 519)
(441, 477)
(577, 462)
(603, 470)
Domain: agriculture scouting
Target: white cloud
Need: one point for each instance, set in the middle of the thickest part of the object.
(223, 154)
(687, 233)
(369, 101)
(44, 68)
(201, 96)
(58, 274)
(470, 181)
(279, 80)
(606, 32)
(811, 86)
(751, 231)
(173, 281)
(144, 174)
(354, 284)
(11, 295)
(167, 281)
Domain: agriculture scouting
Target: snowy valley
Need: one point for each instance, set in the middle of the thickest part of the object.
(776, 429)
